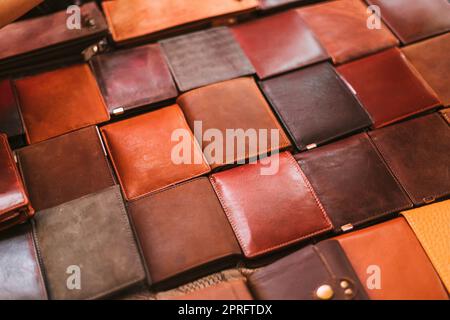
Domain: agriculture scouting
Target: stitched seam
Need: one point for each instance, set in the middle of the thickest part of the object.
(33, 252)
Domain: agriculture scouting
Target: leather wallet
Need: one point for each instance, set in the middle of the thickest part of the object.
(431, 60)
(89, 238)
(219, 107)
(65, 168)
(173, 224)
(133, 78)
(15, 208)
(10, 120)
(430, 225)
(415, 20)
(270, 207)
(153, 19)
(391, 263)
(316, 272)
(22, 49)
(205, 57)
(141, 150)
(389, 87)
(352, 182)
(60, 101)
(446, 115)
(341, 26)
(20, 273)
(315, 105)
(417, 152)
(293, 43)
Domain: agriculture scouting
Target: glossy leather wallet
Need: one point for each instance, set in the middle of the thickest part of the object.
(141, 150)
(10, 120)
(270, 204)
(15, 207)
(391, 263)
(417, 152)
(205, 57)
(316, 272)
(90, 237)
(315, 105)
(60, 101)
(47, 40)
(294, 44)
(341, 26)
(352, 181)
(172, 226)
(133, 78)
(389, 87)
(65, 168)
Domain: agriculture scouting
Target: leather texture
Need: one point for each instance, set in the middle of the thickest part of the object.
(205, 57)
(133, 78)
(417, 152)
(141, 151)
(15, 207)
(60, 101)
(293, 45)
(20, 273)
(431, 60)
(147, 17)
(299, 275)
(270, 211)
(10, 121)
(446, 115)
(341, 27)
(227, 290)
(430, 225)
(93, 233)
(315, 105)
(219, 107)
(171, 248)
(415, 20)
(352, 182)
(389, 87)
(404, 269)
(65, 168)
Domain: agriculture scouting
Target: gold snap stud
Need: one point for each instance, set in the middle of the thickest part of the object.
(348, 292)
(344, 284)
(325, 292)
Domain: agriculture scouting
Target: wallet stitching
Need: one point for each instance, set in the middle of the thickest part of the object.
(38, 269)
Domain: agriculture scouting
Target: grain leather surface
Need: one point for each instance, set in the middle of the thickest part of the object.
(205, 57)
(406, 273)
(268, 212)
(352, 181)
(10, 121)
(315, 105)
(417, 151)
(93, 233)
(431, 226)
(341, 26)
(389, 87)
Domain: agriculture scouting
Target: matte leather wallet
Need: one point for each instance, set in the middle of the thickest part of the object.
(293, 45)
(389, 87)
(205, 57)
(47, 40)
(341, 26)
(153, 19)
(415, 20)
(316, 272)
(417, 152)
(10, 120)
(133, 78)
(141, 150)
(219, 107)
(391, 263)
(172, 226)
(315, 105)
(65, 168)
(270, 204)
(430, 58)
(60, 101)
(89, 238)
(352, 181)
(20, 273)
(431, 226)
(15, 207)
